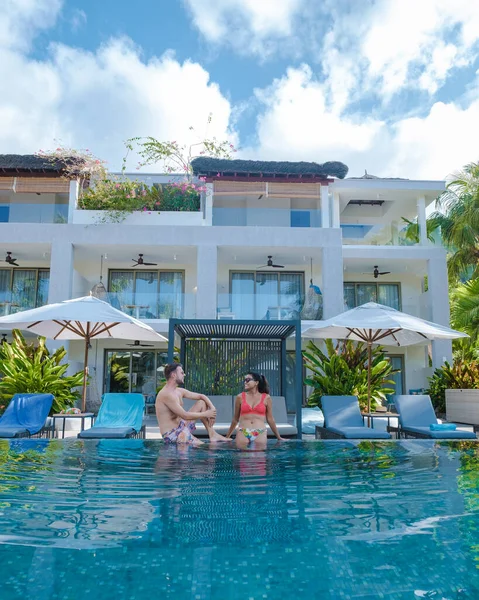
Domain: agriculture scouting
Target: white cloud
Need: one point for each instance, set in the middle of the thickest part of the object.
(99, 99)
(78, 19)
(21, 20)
(247, 25)
(295, 123)
(411, 34)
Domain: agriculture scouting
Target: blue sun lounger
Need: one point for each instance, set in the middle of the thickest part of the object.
(25, 415)
(416, 415)
(342, 419)
(120, 416)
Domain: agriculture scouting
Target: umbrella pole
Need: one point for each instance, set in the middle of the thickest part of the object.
(85, 370)
(369, 377)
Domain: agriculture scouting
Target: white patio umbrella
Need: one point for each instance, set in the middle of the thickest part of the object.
(81, 319)
(377, 324)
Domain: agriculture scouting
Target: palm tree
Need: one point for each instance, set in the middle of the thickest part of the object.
(465, 317)
(458, 219)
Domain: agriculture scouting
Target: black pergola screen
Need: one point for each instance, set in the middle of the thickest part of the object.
(217, 367)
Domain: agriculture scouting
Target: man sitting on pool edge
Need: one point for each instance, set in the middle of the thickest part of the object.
(176, 424)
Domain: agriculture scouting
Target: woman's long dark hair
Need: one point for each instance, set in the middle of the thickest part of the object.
(263, 385)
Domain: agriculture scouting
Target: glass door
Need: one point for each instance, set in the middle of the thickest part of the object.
(117, 372)
(267, 297)
(143, 374)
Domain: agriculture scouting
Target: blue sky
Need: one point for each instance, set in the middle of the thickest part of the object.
(380, 85)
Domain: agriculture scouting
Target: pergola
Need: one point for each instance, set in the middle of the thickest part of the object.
(216, 353)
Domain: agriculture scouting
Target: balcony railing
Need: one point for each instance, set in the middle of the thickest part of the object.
(13, 303)
(33, 213)
(387, 234)
(266, 217)
(268, 307)
(154, 306)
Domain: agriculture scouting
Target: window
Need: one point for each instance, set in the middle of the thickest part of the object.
(147, 294)
(267, 295)
(356, 294)
(300, 218)
(136, 371)
(21, 289)
(397, 362)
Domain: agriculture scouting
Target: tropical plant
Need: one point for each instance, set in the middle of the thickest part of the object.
(176, 158)
(74, 163)
(411, 233)
(31, 368)
(461, 375)
(342, 371)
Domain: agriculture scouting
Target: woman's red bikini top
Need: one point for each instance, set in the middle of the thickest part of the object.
(259, 409)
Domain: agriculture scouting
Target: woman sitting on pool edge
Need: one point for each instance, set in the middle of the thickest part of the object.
(252, 407)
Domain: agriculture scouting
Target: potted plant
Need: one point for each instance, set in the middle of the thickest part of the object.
(454, 390)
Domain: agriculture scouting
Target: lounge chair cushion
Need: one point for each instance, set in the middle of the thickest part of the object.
(442, 435)
(106, 433)
(416, 415)
(414, 411)
(26, 412)
(11, 432)
(280, 415)
(342, 416)
(361, 433)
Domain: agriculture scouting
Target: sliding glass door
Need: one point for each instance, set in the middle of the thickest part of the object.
(147, 294)
(266, 295)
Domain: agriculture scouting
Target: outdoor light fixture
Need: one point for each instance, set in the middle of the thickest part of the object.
(99, 290)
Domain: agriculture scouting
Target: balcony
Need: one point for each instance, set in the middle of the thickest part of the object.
(147, 306)
(266, 307)
(266, 217)
(33, 213)
(11, 303)
(373, 234)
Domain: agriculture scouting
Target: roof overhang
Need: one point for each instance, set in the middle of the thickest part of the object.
(237, 329)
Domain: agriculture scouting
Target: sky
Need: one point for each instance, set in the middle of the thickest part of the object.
(384, 86)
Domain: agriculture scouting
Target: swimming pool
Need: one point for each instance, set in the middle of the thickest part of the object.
(136, 520)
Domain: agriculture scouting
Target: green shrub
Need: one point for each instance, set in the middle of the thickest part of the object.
(343, 372)
(461, 375)
(30, 368)
(127, 195)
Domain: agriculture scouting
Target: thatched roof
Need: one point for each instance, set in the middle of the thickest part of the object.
(28, 163)
(210, 167)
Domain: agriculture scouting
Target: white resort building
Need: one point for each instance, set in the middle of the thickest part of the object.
(261, 233)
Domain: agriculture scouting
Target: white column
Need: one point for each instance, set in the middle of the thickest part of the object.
(336, 217)
(325, 216)
(207, 282)
(73, 198)
(421, 219)
(332, 281)
(61, 271)
(439, 297)
(208, 199)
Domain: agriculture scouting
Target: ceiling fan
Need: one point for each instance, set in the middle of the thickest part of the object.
(140, 262)
(270, 264)
(377, 272)
(10, 260)
(138, 344)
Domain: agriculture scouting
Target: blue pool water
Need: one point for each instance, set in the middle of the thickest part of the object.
(138, 520)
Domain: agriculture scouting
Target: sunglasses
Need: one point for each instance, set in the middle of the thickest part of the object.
(248, 379)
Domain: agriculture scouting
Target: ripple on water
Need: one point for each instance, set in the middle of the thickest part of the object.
(319, 519)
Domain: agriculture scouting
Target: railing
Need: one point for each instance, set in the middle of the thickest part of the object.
(266, 217)
(33, 213)
(388, 234)
(268, 307)
(13, 303)
(150, 305)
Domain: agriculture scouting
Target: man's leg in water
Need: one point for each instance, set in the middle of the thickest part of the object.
(200, 406)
